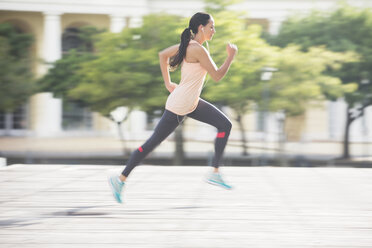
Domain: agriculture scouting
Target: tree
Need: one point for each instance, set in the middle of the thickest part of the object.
(126, 70)
(63, 76)
(344, 29)
(301, 80)
(16, 79)
(240, 88)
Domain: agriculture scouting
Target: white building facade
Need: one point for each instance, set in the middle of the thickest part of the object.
(47, 20)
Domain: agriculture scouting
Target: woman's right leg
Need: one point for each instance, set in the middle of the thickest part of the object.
(207, 113)
(167, 124)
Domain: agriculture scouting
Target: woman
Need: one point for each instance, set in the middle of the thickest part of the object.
(184, 98)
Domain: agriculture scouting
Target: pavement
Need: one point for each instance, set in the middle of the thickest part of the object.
(55, 206)
(31, 148)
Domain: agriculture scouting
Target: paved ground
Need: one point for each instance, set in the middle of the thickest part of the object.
(71, 206)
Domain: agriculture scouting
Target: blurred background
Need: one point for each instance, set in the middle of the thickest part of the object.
(80, 81)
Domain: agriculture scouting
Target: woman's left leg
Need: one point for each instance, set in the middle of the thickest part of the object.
(207, 113)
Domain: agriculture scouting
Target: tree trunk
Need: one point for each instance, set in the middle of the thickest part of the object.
(239, 119)
(121, 136)
(179, 153)
(281, 143)
(349, 120)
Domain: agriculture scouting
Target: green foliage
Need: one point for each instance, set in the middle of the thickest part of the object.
(64, 76)
(239, 88)
(19, 43)
(126, 71)
(345, 29)
(88, 35)
(301, 79)
(16, 83)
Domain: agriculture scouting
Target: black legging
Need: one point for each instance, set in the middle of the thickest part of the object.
(204, 112)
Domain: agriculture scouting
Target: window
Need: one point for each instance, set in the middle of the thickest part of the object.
(14, 120)
(19, 118)
(72, 39)
(76, 117)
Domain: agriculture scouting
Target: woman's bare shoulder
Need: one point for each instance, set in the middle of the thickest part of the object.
(195, 48)
(193, 52)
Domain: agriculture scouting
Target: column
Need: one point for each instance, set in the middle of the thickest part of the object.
(45, 115)
(274, 25)
(336, 119)
(46, 111)
(52, 36)
(117, 23)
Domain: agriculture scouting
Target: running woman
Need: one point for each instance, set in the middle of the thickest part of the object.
(184, 99)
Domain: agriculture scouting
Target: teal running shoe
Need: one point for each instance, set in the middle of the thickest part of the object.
(216, 179)
(116, 187)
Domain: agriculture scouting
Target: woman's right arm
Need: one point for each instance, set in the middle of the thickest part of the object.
(207, 62)
(164, 56)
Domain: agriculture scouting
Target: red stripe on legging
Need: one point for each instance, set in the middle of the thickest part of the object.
(140, 149)
(221, 135)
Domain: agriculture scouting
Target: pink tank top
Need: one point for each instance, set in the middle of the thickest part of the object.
(185, 97)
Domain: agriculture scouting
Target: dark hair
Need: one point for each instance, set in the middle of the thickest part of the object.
(197, 19)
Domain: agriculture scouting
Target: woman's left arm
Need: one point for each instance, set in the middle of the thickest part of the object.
(164, 56)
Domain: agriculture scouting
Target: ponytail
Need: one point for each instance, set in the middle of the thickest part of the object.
(199, 18)
(185, 40)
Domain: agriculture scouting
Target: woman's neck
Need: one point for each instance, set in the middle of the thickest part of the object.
(198, 38)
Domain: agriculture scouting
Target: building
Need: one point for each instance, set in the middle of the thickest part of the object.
(50, 21)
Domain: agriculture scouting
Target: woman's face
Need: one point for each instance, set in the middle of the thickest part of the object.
(209, 30)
